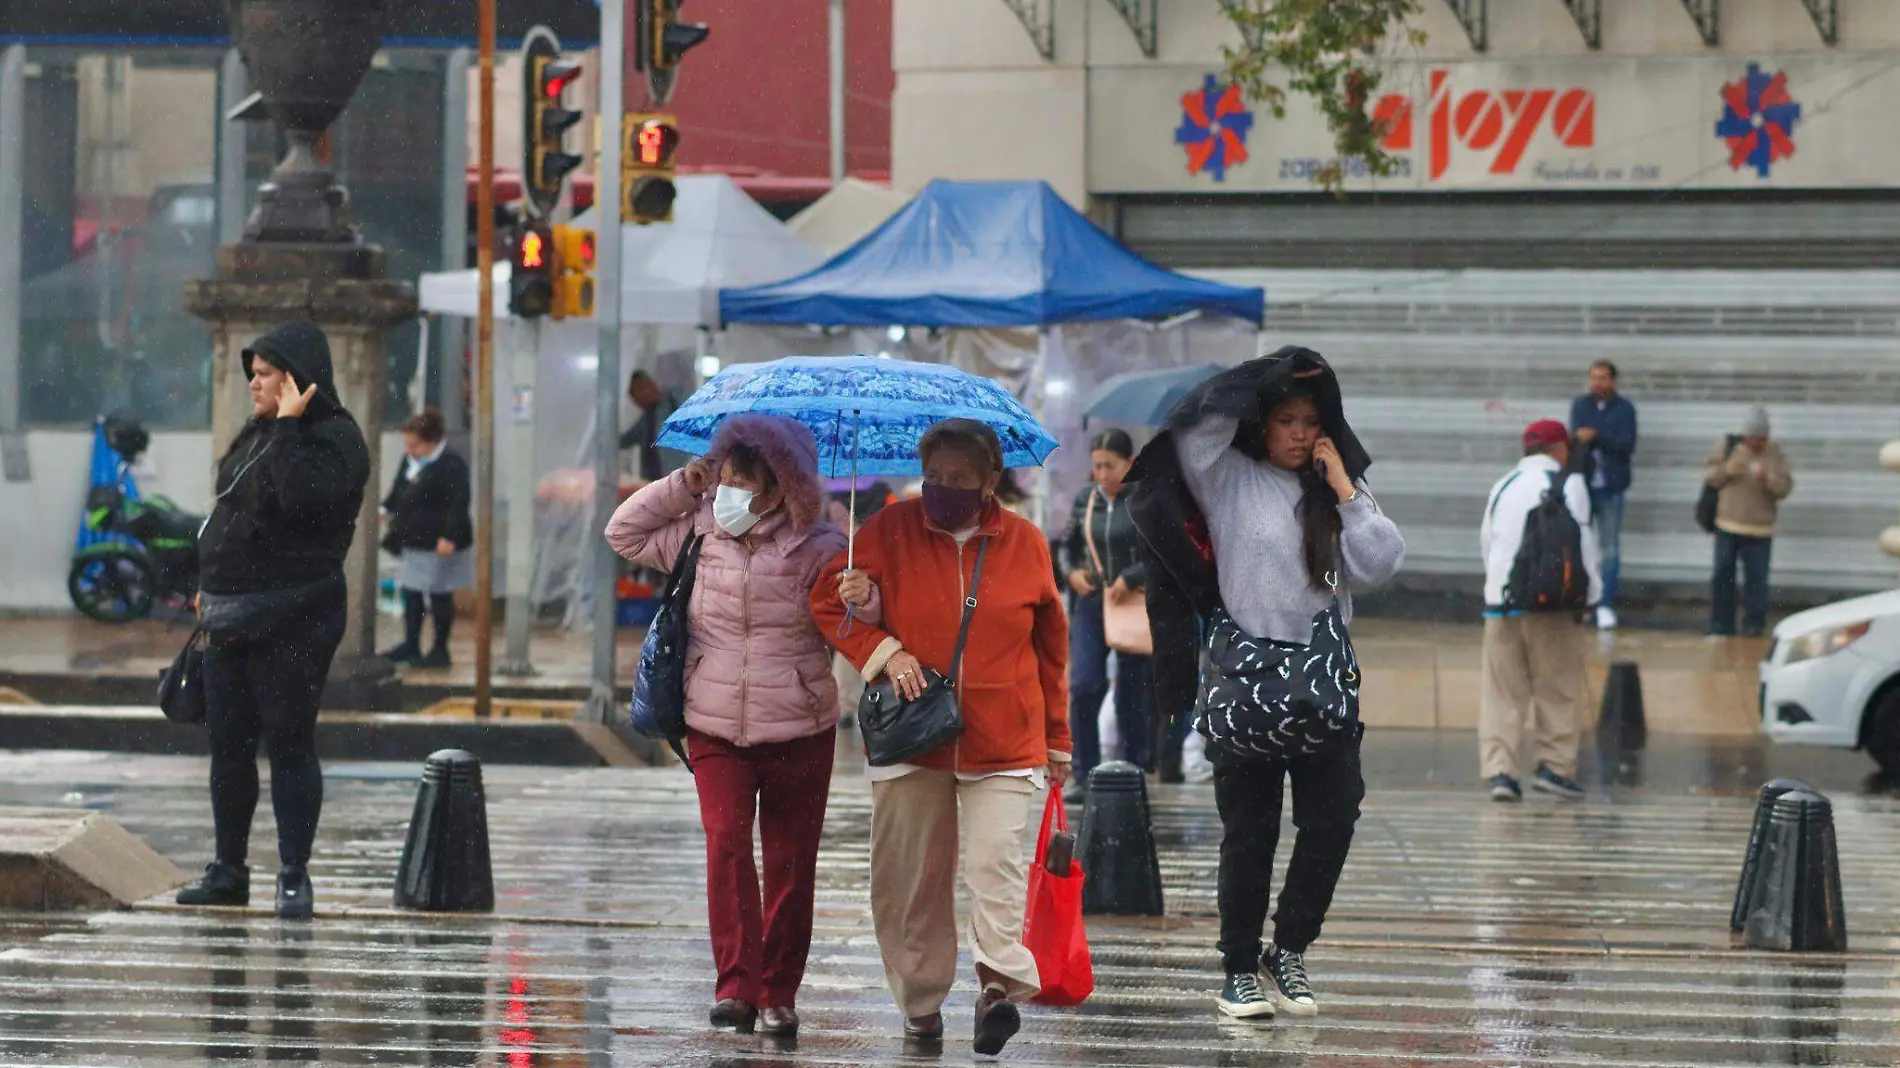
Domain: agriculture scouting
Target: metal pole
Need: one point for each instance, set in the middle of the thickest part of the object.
(606, 569)
(837, 93)
(232, 197)
(452, 331)
(526, 337)
(485, 368)
(13, 454)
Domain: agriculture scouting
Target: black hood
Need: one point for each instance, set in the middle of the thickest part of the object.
(1249, 391)
(300, 348)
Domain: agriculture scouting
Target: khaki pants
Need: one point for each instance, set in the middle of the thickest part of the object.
(919, 825)
(1533, 680)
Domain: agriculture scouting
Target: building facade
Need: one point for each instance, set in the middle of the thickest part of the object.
(1706, 193)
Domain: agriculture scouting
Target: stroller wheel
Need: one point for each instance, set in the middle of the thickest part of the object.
(111, 588)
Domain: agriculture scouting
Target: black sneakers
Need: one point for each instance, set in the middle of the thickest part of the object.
(223, 884)
(434, 658)
(294, 899)
(1287, 971)
(1244, 999)
(1505, 788)
(401, 654)
(1547, 781)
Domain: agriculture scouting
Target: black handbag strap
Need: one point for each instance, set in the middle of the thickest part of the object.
(969, 609)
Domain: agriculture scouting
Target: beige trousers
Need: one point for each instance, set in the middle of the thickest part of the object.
(1533, 682)
(920, 823)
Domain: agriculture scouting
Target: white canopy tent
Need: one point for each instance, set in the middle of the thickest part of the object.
(671, 277)
(842, 217)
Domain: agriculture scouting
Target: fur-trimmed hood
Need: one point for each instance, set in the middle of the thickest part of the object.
(788, 448)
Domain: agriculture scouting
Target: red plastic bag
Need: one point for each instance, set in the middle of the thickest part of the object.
(1053, 929)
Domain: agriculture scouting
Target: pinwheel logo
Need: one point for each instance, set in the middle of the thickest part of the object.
(1758, 120)
(1215, 122)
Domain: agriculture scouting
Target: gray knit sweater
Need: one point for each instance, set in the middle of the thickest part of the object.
(1252, 515)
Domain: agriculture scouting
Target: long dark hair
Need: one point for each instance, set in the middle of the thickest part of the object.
(1318, 510)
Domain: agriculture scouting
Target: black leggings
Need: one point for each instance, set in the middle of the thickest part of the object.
(266, 690)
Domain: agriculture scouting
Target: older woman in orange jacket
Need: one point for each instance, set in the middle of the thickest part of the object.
(915, 565)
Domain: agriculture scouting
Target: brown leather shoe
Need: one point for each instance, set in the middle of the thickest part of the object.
(780, 1022)
(734, 1015)
(925, 1028)
(997, 1021)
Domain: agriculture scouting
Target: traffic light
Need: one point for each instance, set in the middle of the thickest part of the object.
(648, 150)
(546, 119)
(573, 272)
(660, 39)
(531, 285)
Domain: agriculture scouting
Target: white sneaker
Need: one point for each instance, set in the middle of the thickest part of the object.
(1606, 617)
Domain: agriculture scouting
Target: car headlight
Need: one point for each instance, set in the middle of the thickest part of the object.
(1819, 643)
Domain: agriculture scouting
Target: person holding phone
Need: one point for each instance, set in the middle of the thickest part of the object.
(1252, 502)
(274, 603)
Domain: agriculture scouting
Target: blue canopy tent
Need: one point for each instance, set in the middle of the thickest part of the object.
(1006, 280)
(985, 254)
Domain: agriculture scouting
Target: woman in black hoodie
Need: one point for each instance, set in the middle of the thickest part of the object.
(274, 603)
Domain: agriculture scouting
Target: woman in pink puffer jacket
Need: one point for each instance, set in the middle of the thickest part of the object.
(761, 706)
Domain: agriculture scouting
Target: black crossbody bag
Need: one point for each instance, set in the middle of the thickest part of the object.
(896, 730)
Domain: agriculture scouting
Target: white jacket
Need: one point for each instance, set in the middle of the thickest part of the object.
(1509, 504)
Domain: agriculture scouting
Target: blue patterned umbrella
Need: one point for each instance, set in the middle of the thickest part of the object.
(866, 412)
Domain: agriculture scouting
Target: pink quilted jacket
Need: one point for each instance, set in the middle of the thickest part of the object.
(757, 670)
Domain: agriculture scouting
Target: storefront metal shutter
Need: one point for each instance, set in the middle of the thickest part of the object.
(1444, 231)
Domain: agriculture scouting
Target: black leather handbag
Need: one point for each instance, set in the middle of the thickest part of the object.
(896, 730)
(181, 687)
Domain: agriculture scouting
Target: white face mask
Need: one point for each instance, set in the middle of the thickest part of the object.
(732, 510)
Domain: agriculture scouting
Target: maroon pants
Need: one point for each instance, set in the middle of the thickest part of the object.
(760, 943)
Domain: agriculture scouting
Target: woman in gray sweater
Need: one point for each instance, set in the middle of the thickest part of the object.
(1285, 520)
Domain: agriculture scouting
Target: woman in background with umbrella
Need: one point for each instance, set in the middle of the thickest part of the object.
(1105, 572)
(761, 707)
(897, 611)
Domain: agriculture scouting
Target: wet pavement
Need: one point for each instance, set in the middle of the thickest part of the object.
(1463, 933)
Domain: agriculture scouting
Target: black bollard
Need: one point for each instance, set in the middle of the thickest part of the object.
(1748, 888)
(1620, 725)
(1799, 907)
(445, 865)
(1117, 845)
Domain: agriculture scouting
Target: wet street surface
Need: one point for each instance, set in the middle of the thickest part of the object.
(1463, 933)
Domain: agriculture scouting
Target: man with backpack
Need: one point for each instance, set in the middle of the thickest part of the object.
(1541, 572)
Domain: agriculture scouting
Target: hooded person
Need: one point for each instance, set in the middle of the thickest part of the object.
(761, 704)
(1254, 519)
(1751, 477)
(274, 605)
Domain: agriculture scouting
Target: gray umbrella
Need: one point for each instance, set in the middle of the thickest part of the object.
(1143, 398)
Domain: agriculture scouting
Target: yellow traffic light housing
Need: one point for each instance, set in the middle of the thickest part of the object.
(546, 120)
(648, 152)
(573, 273)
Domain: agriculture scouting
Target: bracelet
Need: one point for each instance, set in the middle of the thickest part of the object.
(1356, 494)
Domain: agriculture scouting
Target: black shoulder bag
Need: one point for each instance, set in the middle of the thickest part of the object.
(896, 730)
(181, 687)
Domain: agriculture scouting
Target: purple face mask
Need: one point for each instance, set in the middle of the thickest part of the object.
(951, 509)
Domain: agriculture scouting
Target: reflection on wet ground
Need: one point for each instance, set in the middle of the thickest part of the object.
(1464, 933)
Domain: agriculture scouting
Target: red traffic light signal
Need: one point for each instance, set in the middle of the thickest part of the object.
(546, 77)
(531, 282)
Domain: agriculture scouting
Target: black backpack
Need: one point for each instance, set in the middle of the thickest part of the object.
(1549, 574)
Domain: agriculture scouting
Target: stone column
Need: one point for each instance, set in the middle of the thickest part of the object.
(341, 288)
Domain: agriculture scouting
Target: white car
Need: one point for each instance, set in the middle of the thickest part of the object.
(1832, 677)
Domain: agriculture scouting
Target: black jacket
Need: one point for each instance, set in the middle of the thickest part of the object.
(1176, 548)
(1115, 540)
(432, 507)
(289, 490)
